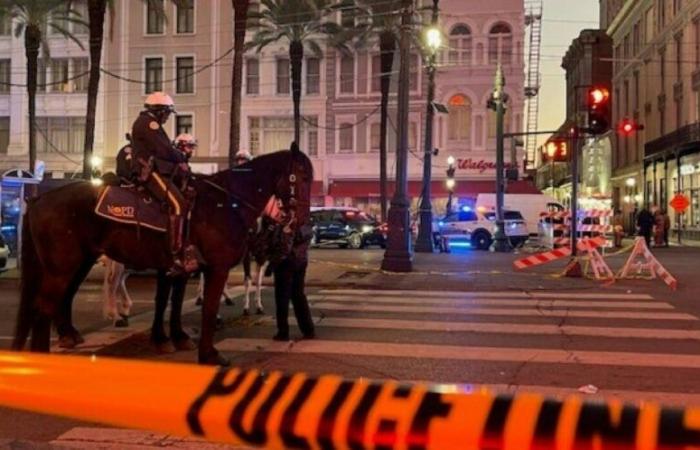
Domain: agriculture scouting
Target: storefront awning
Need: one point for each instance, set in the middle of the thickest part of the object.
(463, 188)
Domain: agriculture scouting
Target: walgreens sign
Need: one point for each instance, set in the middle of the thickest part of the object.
(479, 165)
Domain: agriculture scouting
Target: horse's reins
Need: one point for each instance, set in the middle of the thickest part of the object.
(237, 200)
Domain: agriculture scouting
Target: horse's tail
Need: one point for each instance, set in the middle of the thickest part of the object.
(30, 282)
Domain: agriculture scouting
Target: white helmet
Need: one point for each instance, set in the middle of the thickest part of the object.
(243, 156)
(185, 139)
(159, 101)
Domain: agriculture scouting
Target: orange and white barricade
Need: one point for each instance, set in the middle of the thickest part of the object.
(642, 260)
(555, 254)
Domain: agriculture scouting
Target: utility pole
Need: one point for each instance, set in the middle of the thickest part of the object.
(399, 255)
(498, 100)
(424, 242)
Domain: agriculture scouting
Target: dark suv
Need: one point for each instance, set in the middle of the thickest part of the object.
(346, 227)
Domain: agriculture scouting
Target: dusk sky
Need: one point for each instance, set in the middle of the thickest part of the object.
(562, 22)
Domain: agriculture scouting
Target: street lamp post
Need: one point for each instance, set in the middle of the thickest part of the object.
(399, 256)
(424, 242)
(499, 99)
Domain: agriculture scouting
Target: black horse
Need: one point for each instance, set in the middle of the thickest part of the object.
(63, 237)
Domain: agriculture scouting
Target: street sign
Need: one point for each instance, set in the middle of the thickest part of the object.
(679, 203)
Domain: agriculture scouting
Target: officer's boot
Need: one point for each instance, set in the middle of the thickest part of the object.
(175, 235)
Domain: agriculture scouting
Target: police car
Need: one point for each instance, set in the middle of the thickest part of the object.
(468, 227)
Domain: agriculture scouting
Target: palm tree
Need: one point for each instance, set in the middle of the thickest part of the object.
(240, 17)
(31, 16)
(301, 23)
(382, 18)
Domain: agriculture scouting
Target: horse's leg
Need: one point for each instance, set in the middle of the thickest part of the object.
(109, 292)
(200, 290)
(125, 305)
(158, 336)
(178, 336)
(258, 287)
(69, 337)
(53, 290)
(214, 282)
(246, 284)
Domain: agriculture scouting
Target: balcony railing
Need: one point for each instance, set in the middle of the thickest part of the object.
(672, 140)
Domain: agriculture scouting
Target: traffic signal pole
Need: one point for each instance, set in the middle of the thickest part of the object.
(501, 243)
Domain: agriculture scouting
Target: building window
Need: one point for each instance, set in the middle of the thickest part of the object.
(154, 75)
(696, 29)
(661, 14)
(80, 7)
(60, 134)
(412, 136)
(5, 75)
(270, 134)
(184, 124)
(253, 21)
(41, 75)
(60, 75)
(636, 92)
(460, 117)
(460, 45)
(252, 76)
(81, 66)
(346, 135)
(5, 25)
(185, 75)
(254, 135)
(376, 73)
(313, 76)
(374, 137)
(500, 44)
(185, 16)
(662, 70)
(676, 6)
(155, 21)
(679, 58)
(347, 74)
(649, 25)
(347, 17)
(413, 68)
(283, 76)
(312, 136)
(4, 134)
(636, 39)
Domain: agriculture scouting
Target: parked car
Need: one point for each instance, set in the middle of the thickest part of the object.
(479, 229)
(346, 227)
(4, 252)
(530, 206)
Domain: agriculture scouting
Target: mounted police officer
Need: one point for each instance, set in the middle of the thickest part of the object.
(158, 162)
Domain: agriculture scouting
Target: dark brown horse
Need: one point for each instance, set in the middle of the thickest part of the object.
(63, 237)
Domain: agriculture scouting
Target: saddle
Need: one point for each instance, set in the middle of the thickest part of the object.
(129, 205)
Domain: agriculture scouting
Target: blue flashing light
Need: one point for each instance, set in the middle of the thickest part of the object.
(441, 223)
(461, 244)
(8, 227)
(466, 209)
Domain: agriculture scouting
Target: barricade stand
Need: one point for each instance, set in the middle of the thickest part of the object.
(553, 255)
(278, 411)
(601, 270)
(641, 259)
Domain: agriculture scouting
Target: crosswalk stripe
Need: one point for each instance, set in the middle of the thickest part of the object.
(477, 294)
(507, 328)
(504, 311)
(463, 353)
(429, 300)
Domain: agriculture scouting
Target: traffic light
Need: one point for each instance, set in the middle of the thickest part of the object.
(598, 112)
(627, 127)
(556, 150)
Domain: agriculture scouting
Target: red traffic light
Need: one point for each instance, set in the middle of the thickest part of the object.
(627, 127)
(598, 96)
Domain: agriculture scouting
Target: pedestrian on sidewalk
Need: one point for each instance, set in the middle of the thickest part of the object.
(645, 224)
(659, 225)
(618, 228)
(290, 281)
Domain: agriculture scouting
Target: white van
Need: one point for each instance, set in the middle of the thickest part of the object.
(529, 205)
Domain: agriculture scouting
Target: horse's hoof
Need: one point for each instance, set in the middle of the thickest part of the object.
(67, 342)
(228, 301)
(164, 347)
(219, 322)
(122, 323)
(260, 312)
(199, 301)
(214, 359)
(186, 344)
(246, 312)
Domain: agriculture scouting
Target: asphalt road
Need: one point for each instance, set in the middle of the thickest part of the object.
(634, 341)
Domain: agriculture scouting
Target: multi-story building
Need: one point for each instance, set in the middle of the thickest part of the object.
(60, 103)
(340, 94)
(587, 64)
(656, 81)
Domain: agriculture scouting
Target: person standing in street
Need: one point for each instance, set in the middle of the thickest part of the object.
(618, 228)
(290, 280)
(645, 224)
(659, 224)
(667, 227)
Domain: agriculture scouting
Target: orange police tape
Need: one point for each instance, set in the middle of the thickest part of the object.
(279, 411)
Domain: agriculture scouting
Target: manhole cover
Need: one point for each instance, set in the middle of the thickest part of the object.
(354, 274)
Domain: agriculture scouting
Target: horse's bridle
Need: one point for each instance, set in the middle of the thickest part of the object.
(292, 202)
